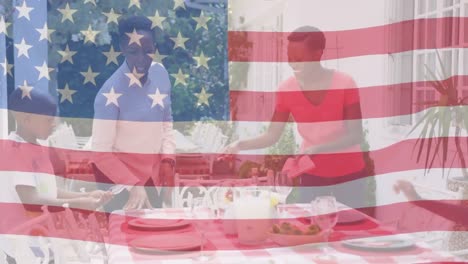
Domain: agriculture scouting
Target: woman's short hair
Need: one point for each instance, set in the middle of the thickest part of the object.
(312, 36)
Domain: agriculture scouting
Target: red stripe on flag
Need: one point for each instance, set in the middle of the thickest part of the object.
(386, 39)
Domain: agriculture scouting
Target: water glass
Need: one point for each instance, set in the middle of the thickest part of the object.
(325, 215)
(283, 185)
(200, 214)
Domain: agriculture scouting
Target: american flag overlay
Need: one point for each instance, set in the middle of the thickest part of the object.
(232, 131)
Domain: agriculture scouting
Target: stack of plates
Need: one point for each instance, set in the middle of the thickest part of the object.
(379, 244)
(167, 243)
(157, 224)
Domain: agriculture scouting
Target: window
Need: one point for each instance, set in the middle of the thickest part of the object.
(432, 32)
(448, 27)
(456, 71)
(456, 27)
(465, 65)
(422, 33)
(447, 63)
(432, 5)
(405, 105)
(419, 101)
(406, 68)
(431, 64)
(448, 3)
(402, 95)
(465, 95)
(430, 96)
(420, 68)
(421, 6)
(465, 26)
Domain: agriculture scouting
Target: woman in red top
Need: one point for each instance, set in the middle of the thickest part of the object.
(325, 105)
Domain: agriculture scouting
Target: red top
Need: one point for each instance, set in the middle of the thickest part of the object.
(324, 122)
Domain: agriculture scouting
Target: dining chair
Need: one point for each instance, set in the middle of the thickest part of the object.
(187, 189)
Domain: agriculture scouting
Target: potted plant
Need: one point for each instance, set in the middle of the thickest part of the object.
(437, 123)
(433, 140)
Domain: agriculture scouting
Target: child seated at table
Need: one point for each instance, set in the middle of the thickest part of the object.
(28, 180)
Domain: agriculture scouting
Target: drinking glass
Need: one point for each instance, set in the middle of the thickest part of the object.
(325, 213)
(283, 186)
(220, 202)
(201, 213)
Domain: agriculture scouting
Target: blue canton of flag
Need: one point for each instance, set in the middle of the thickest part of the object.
(71, 48)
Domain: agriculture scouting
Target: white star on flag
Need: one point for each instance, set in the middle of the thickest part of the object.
(112, 17)
(90, 76)
(4, 66)
(179, 3)
(23, 48)
(45, 32)
(67, 13)
(156, 20)
(111, 56)
(179, 41)
(66, 93)
(112, 97)
(134, 38)
(134, 3)
(202, 21)
(2, 25)
(93, 2)
(24, 10)
(25, 90)
(134, 77)
(158, 98)
(44, 71)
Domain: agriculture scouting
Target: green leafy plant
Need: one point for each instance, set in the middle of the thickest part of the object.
(437, 122)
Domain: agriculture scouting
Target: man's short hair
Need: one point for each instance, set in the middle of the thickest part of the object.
(312, 36)
(41, 102)
(137, 23)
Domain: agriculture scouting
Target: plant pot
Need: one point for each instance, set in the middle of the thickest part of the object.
(455, 183)
(458, 240)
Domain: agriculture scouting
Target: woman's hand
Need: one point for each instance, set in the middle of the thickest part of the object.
(232, 148)
(99, 194)
(137, 198)
(88, 203)
(166, 172)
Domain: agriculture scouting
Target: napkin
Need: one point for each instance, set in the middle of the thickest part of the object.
(295, 168)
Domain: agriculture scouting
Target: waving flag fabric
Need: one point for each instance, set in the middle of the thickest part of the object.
(230, 64)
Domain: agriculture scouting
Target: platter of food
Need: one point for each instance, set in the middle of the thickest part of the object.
(289, 234)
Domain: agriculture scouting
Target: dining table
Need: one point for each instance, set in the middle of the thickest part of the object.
(221, 247)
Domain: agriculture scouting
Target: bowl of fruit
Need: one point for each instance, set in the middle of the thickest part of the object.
(289, 234)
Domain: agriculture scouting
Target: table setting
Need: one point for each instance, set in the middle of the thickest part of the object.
(236, 221)
(255, 224)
